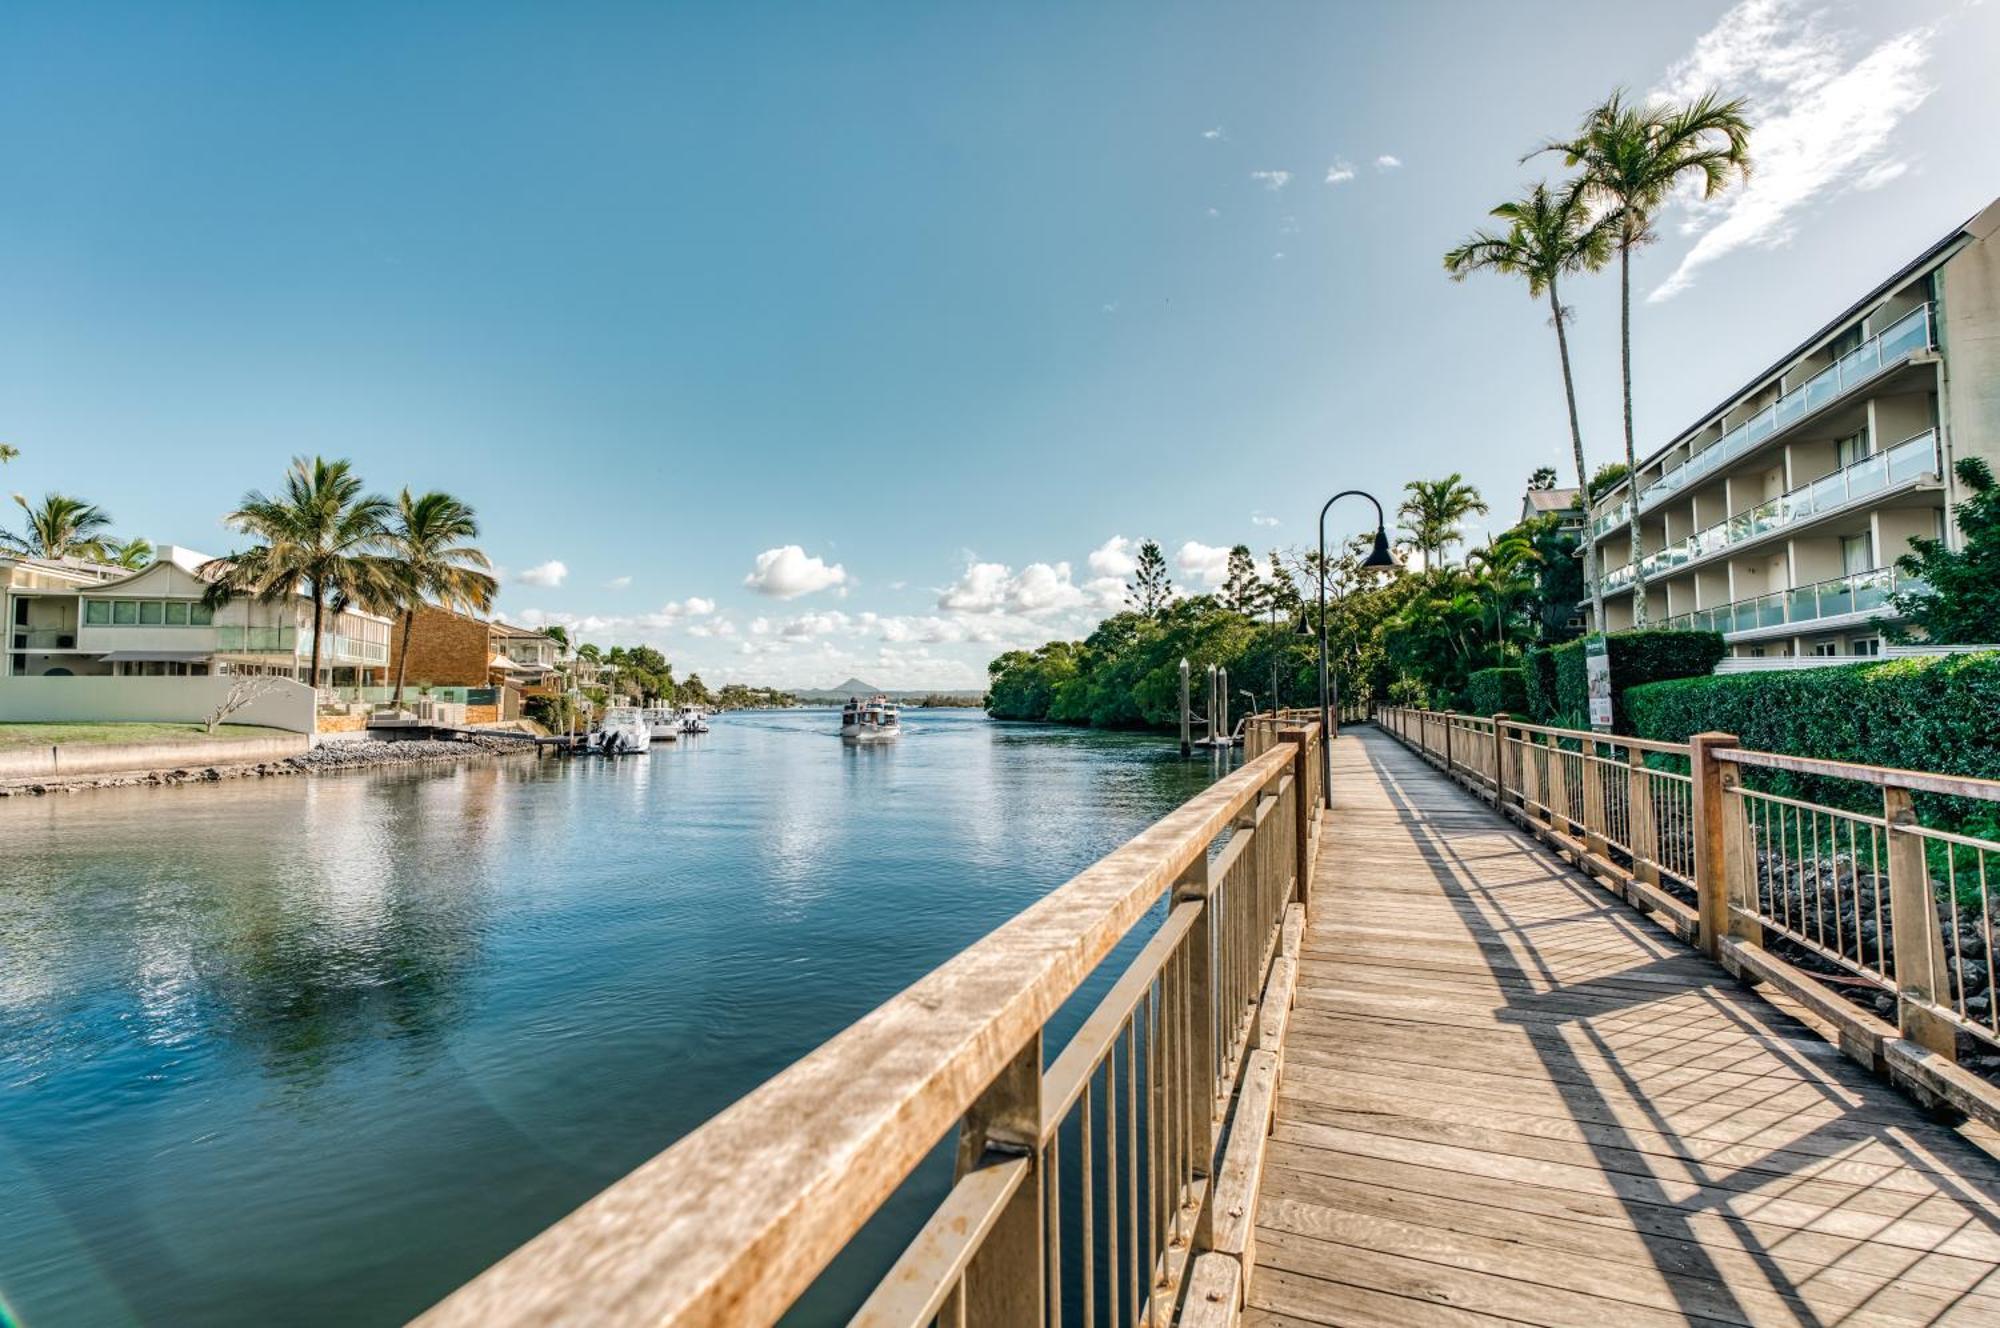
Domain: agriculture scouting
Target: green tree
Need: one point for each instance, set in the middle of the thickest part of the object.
(1604, 479)
(695, 692)
(1960, 601)
(135, 554)
(557, 633)
(1239, 584)
(1544, 479)
(8, 453)
(1634, 156)
(1559, 581)
(60, 527)
(428, 557)
(1549, 235)
(321, 531)
(1505, 578)
(1150, 591)
(1434, 514)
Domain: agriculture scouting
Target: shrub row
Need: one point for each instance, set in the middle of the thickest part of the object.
(1557, 686)
(1490, 691)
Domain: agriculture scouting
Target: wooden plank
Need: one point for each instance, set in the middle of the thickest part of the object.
(1274, 1013)
(1233, 1212)
(1214, 1293)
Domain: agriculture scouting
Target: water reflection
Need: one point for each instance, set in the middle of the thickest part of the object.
(315, 1051)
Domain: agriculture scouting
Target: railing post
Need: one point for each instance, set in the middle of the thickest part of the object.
(1500, 761)
(1004, 1282)
(1556, 794)
(1198, 1086)
(1304, 764)
(1643, 821)
(1913, 928)
(1446, 721)
(1596, 822)
(1713, 839)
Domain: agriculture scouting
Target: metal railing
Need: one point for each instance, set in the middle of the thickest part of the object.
(1756, 848)
(1913, 459)
(1901, 339)
(1090, 1183)
(1835, 597)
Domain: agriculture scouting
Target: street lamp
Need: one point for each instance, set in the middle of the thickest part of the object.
(1379, 556)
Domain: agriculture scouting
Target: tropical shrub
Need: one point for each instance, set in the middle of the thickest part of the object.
(1637, 658)
(1491, 691)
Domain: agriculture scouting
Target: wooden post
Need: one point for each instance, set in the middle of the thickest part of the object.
(1303, 764)
(1004, 1281)
(1556, 794)
(1913, 922)
(1446, 721)
(1199, 1079)
(1596, 823)
(1712, 838)
(1645, 828)
(1500, 761)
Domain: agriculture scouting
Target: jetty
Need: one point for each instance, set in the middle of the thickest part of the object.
(1528, 1026)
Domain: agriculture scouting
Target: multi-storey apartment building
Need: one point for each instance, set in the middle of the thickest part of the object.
(1778, 517)
(72, 618)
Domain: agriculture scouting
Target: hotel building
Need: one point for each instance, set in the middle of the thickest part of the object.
(1777, 518)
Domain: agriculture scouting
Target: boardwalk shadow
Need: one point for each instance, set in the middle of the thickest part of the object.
(1752, 1159)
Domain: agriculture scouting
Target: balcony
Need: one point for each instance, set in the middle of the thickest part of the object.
(1885, 350)
(344, 649)
(1860, 595)
(257, 640)
(1908, 462)
(43, 638)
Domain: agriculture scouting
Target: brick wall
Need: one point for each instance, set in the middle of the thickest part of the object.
(446, 649)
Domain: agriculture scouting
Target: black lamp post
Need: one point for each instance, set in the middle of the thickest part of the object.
(1379, 556)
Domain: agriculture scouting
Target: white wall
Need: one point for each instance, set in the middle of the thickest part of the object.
(287, 705)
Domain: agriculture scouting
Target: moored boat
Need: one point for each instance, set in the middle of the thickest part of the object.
(623, 732)
(662, 723)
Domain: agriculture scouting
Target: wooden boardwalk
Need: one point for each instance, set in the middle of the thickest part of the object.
(1507, 1097)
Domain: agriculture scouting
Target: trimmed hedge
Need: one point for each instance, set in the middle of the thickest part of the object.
(1490, 691)
(1637, 658)
(1538, 669)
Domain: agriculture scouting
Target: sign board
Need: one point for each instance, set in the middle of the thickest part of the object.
(1597, 674)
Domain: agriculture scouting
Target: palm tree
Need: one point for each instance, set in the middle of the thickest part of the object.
(8, 453)
(1434, 511)
(135, 554)
(429, 558)
(1550, 235)
(60, 527)
(1503, 578)
(1634, 156)
(322, 532)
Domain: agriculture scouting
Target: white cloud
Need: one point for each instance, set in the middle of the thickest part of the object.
(698, 607)
(618, 583)
(1385, 162)
(1272, 179)
(1109, 307)
(1215, 134)
(1215, 212)
(1114, 557)
(1339, 173)
(788, 572)
(547, 575)
(1823, 120)
(994, 588)
(1206, 561)
(1259, 519)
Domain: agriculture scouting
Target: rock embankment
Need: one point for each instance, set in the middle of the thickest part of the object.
(362, 755)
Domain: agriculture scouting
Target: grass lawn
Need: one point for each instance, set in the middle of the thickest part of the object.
(16, 736)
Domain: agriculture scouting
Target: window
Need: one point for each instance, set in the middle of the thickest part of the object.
(96, 612)
(149, 612)
(1825, 648)
(1856, 555)
(1852, 448)
(200, 615)
(1868, 645)
(177, 613)
(124, 612)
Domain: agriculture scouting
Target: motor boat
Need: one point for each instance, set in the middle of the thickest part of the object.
(691, 720)
(623, 732)
(873, 719)
(662, 723)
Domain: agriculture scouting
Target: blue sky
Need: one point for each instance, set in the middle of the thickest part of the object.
(815, 340)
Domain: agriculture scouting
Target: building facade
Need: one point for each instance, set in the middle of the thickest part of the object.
(1778, 517)
(79, 619)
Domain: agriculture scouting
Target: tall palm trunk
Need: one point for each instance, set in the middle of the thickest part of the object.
(319, 630)
(1631, 451)
(403, 656)
(1590, 576)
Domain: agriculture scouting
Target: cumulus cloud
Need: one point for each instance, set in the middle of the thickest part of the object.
(789, 572)
(1339, 173)
(1272, 180)
(618, 583)
(1214, 135)
(1114, 557)
(1206, 561)
(1385, 162)
(548, 575)
(1259, 519)
(995, 588)
(1825, 115)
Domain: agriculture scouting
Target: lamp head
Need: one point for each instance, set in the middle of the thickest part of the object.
(1379, 556)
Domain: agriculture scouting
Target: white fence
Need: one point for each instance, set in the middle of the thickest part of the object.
(284, 704)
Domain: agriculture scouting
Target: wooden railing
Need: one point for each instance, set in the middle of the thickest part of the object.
(1102, 1180)
(1816, 876)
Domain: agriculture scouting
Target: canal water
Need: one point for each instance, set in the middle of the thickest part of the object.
(315, 1051)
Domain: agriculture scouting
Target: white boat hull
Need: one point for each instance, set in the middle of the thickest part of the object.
(870, 732)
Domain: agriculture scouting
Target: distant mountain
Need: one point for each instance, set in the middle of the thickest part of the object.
(856, 687)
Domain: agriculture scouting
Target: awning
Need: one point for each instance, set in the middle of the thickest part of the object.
(158, 656)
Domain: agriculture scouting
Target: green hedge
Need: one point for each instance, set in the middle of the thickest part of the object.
(1637, 658)
(1539, 678)
(1491, 691)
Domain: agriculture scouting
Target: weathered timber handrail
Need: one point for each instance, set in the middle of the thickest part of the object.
(729, 1225)
(1899, 907)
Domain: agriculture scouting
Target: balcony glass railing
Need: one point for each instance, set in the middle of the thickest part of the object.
(1884, 350)
(1912, 459)
(258, 640)
(347, 649)
(44, 638)
(1861, 592)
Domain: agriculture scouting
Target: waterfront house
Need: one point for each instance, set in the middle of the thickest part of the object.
(1777, 517)
(80, 619)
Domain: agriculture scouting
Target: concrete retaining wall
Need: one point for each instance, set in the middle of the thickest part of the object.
(286, 705)
(99, 758)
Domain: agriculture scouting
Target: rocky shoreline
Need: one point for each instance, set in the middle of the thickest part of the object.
(364, 755)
